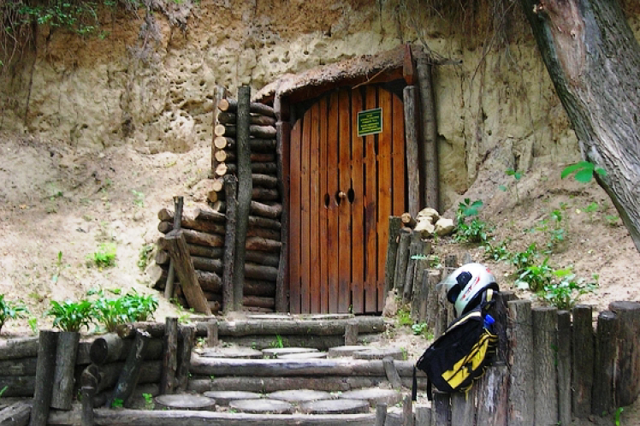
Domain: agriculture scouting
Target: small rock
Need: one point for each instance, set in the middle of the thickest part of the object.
(444, 226)
(425, 227)
(429, 213)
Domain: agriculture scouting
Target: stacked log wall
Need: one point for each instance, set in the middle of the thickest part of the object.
(205, 228)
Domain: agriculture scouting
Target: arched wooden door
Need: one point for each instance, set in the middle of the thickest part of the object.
(343, 187)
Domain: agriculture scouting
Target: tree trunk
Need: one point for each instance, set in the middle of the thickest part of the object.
(592, 57)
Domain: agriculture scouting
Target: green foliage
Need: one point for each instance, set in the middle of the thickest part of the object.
(522, 260)
(33, 325)
(71, 316)
(3, 390)
(591, 209)
(404, 316)
(616, 415)
(105, 256)
(517, 176)
(278, 343)
(466, 209)
(612, 220)
(583, 170)
(565, 291)
(145, 256)
(11, 310)
(128, 308)
(496, 251)
(59, 267)
(117, 403)
(422, 329)
(535, 277)
(148, 401)
(476, 231)
(138, 198)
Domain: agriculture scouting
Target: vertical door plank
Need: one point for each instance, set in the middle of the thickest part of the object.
(357, 206)
(323, 241)
(305, 202)
(385, 187)
(371, 211)
(332, 209)
(294, 219)
(399, 181)
(314, 211)
(344, 215)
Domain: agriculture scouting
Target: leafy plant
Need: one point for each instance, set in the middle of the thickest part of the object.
(583, 170)
(278, 343)
(616, 416)
(117, 403)
(565, 293)
(496, 251)
(11, 310)
(517, 176)
(612, 220)
(475, 231)
(591, 209)
(105, 256)
(404, 316)
(71, 316)
(535, 277)
(422, 329)
(139, 307)
(128, 308)
(59, 267)
(148, 401)
(522, 260)
(3, 390)
(466, 209)
(110, 312)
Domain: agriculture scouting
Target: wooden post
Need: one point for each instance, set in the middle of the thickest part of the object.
(583, 360)
(212, 333)
(177, 217)
(218, 95)
(351, 333)
(423, 416)
(407, 411)
(603, 396)
(185, 347)
(433, 278)
(564, 367)
(47, 342)
(106, 349)
(411, 149)
(407, 289)
(395, 224)
(463, 408)
(419, 297)
(63, 378)
(627, 384)
(392, 373)
(381, 414)
(521, 389)
(429, 134)
(440, 409)
(130, 373)
(545, 342)
(493, 395)
(402, 259)
(245, 186)
(283, 133)
(230, 190)
(88, 393)
(179, 252)
(170, 359)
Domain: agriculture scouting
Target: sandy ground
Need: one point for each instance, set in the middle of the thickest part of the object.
(57, 206)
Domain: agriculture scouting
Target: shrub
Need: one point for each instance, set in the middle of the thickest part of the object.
(71, 316)
(105, 256)
(11, 310)
(565, 293)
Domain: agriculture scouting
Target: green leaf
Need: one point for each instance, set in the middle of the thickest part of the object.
(572, 168)
(584, 175)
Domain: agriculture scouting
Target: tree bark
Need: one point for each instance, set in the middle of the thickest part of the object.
(63, 377)
(592, 57)
(131, 371)
(47, 342)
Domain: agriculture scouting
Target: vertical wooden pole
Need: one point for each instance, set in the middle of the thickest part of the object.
(185, 347)
(212, 333)
(564, 367)
(500, 312)
(627, 384)
(545, 343)
(433, 277)
(351, 333)
(45, 366)
(88, 393)
(283, 140)
(130, 373)
(441, 409)
(170, 358)
(423, 416)
(381, 414)
(493, 396)
(407, 411)
(63, 378)
(177, 219)
(521, 389)
(230, 191)
(583, 360)
(463, 407)
(395, 224)
(402, 259)
(411, 149)
(245, 186)
(603, 396)
(429, 134)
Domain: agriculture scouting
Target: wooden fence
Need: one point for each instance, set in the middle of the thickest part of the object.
(551, 366)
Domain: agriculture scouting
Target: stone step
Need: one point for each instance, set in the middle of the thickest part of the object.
(296, 396)
(261, 406)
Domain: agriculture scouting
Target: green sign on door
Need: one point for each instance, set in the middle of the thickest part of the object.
(370, 122)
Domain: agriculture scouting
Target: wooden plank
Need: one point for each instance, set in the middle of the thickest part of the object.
(357, 207)
(282, 149)
(371, 211)
(344, 215)
(398, 175)
(322, 207)
(305, 216)
(583, 360)
(385, 184)
(411, 147)
(294, 218)
(314, 210)
(332, 209)
(545, 325)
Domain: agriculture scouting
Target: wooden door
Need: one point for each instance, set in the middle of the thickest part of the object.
(343, 188)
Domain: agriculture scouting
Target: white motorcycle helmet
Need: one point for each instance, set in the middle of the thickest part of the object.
(466, 285)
